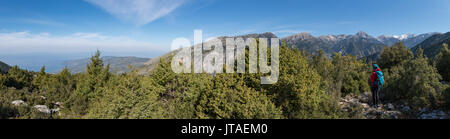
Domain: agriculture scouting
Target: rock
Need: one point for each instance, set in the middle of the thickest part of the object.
(44, 98)
(441, 113)
(43, 109)
(380, 106)
(19, 103)
(446, 117)
(406, 108)
(389, 106)
(432, 115)
(393, 114)
(364, 97)
(423, 116)
(55, 110)
(379, 112)
(365, 105)
(423, 110)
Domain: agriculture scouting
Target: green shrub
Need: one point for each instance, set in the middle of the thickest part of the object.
(443, 63)
(350, 75)
(395, 55)
(230, 98)
(2, 82)
(299, 92)
(414, 81)
(18, 78)
(446, 97)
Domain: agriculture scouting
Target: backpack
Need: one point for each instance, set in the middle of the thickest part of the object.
(380, 77)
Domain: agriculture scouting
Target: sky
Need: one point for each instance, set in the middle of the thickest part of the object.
(55, 30)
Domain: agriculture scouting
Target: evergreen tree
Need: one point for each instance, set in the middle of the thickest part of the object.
(180, 92)
(88, 86)
(2, 81)
(350, 75)
(232, 99)
(446, 97)
(298, 91)
(18, 78)
(60, 86)
(443, 63)
(128, 96)
(395, 55)
(40, 79)
(415, 81)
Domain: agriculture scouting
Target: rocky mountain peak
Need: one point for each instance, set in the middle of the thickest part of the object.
(302, 36)
(362, 34)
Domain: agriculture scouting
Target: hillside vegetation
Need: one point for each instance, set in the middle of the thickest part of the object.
(310, 86)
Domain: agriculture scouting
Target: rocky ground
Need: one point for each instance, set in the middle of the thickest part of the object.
(359, 107)
(41, 108)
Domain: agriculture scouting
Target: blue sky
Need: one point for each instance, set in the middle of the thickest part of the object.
(76, 28)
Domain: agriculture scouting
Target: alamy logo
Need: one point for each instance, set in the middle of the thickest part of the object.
(211, 56)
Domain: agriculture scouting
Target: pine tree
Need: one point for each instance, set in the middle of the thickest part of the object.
(61, 86)
(230, 98)
(88, 85)
(322, 64)
(128, 96)
(298, 91)
(395, 55)
(415, 81)
(350, 75)
(443, 63)
(2, 81)
(40, 80)
(18, 78)
(446, 97)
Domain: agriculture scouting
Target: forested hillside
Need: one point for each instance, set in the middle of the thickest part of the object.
(310, 86)
(433, 45)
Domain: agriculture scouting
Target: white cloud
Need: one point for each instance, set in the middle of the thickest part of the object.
(140, 12)
(26, 42)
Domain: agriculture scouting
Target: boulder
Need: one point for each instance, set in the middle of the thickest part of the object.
(406, 108)
(424, 110)
(441, 113)
(365, 97)
(390, 106)
(19, 103)
(58, 103)
(393, 114)
(43, 109)
(365, 105)
(55, 110)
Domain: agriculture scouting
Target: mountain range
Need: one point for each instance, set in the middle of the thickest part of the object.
(433, 45)
(409, 40)
(361, 44)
